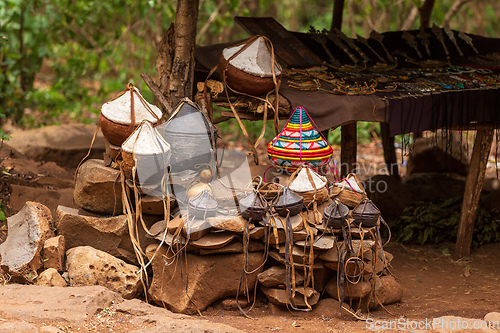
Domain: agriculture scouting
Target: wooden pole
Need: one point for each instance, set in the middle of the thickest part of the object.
(425, 13)
(389, 151)
(348, 136)
(473, 187)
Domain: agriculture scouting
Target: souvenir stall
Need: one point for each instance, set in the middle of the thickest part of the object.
(409, 81)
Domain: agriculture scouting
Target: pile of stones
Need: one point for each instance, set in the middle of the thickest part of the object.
(191, 267)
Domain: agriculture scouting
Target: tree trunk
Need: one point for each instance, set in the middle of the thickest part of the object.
(175, 61)
(181, 79)
(425, 13)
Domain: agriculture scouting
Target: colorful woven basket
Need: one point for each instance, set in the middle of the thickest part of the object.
(299, 143)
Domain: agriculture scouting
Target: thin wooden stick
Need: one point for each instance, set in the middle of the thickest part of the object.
(158, 94)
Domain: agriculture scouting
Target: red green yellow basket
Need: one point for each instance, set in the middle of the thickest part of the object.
(299, 143)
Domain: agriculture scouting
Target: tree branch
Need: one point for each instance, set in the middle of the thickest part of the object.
(453, 10)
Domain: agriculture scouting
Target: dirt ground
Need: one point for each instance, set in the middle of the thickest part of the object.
(434, 284)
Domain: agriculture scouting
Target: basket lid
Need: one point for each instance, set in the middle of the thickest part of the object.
(288, 198)
(203, 201)
(253, 201)
(145, 140)
(302, 183)
(338, 209)
(366, 207)
(118, 110)
(256, 59)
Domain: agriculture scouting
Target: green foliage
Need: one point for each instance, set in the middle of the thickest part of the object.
(437, 222)
(60, 60)
(366, 132)
(2, 213)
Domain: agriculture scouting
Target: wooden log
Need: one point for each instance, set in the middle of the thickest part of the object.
(389, 151)
(349, 147)
(473, 187)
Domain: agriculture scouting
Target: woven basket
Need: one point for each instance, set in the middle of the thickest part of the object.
(243, 81)
(148, 152)
(346, 195)
(118, 130)
(299, 143)
(319, 195)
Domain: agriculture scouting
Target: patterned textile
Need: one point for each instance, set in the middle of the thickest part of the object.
(299, 143)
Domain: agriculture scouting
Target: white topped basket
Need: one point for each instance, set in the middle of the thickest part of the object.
(121, 115)
(248, 67)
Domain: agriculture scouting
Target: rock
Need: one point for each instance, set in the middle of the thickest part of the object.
(53, 253)
(63, 144)
(279, 296)
(326, 242)
(434, 186)
(351, 291)
(492, 317)
(87, 266)
(158, 319)
(51, 278)
(27, 231)
(49, 329)
(108, 234)
(299, 255)
(276, 275)
(98, 189)
(211, 278)
(281, 259)
(321, 277)
(235, 247)
(61, 305)
(235, 224)
(81, 228)
(257, 233)
(330, 308)
(390, 195)
(214, 240)
(17, 327)
(441, 153)
(388, 291)
(229, 304)
(154, 205)
(46, 196)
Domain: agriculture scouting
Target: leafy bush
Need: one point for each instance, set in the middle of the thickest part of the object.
(437, 222)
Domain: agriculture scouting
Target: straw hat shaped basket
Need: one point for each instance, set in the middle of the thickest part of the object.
(349, 191)
(121, 115)
(146, 155)
(248, 67)
(299, 143)
(310, 185)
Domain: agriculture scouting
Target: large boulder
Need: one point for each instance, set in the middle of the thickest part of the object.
(51, 304)
(205, 279)
(87, 266)
(390, 195)
(106, 233)
(98, 188)
(276, 275)
(27, 232)
(441, 153)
